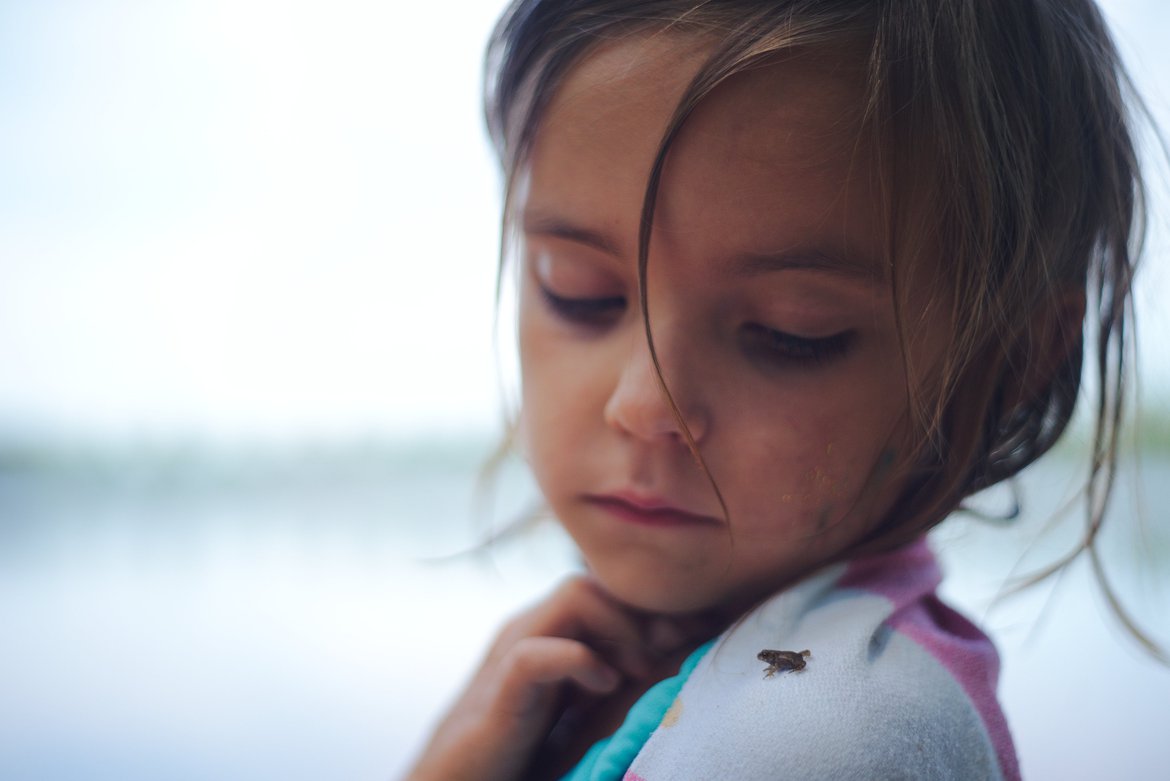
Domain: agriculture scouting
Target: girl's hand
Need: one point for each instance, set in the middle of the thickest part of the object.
(578, 645)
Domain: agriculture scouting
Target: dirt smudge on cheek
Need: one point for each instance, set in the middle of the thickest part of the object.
(816, 484)
(884, 465)
(883, 470)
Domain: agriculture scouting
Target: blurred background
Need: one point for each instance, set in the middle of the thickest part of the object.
(247, 377)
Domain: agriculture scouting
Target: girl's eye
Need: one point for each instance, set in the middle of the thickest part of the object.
(600, 311)
(785, 348)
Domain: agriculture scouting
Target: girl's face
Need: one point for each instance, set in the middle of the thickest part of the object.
(771, 313)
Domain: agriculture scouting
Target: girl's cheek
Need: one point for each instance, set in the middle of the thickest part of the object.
(819, 486)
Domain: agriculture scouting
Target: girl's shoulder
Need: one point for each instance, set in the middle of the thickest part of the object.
(894, 684)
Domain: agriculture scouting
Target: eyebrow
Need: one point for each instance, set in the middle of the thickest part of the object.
(746, 264)
(751, 264)
(541, 225)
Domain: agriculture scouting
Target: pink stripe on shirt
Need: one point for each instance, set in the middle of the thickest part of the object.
(908, 578)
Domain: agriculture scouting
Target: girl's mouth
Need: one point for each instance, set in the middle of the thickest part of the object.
(648, 511)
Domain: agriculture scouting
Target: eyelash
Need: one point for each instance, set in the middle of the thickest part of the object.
(792, 349)
(775, 346)
(585, 311)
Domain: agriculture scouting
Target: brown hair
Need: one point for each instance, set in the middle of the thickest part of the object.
(1008, 163)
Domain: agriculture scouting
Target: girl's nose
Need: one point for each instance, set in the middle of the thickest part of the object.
(638, 405)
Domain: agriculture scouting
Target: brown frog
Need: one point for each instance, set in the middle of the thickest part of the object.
(782, 661)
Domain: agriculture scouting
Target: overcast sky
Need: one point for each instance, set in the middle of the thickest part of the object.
(263, 218)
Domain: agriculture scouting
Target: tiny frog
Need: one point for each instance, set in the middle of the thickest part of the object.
(781, 661)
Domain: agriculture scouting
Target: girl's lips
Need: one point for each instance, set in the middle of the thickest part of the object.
(649, 511)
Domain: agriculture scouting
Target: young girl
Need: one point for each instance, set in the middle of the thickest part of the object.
(796, 277)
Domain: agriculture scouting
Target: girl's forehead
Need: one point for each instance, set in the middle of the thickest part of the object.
(641, 74)
(621, 94)
(774, 155)
(630, 70)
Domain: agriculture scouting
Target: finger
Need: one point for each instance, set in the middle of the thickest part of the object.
(534, 670)
(580, 610)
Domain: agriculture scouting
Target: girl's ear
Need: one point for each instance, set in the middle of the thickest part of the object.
(1055, 331)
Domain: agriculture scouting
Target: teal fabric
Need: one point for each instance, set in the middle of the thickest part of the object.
(609, 758)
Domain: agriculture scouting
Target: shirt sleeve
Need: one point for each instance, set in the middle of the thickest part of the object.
(871, 703)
